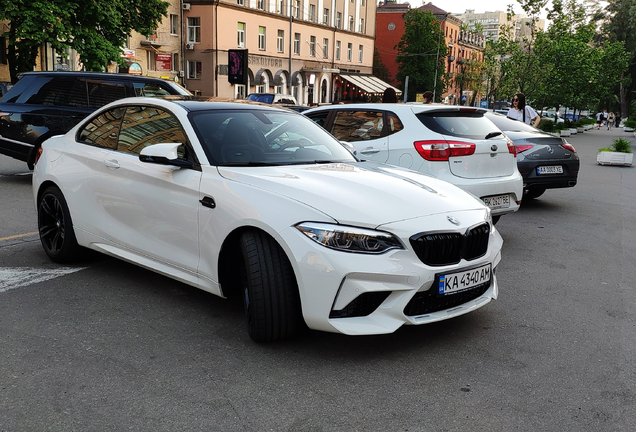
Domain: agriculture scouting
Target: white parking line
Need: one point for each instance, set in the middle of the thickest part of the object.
(16, 277)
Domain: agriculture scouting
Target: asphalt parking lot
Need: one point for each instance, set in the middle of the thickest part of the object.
(104, 345)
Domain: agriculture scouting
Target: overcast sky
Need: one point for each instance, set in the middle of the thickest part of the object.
(460, 6)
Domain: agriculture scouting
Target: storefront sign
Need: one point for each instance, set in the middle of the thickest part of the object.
(164, 62)
(128, 53)
(134, 69)
(265, 61)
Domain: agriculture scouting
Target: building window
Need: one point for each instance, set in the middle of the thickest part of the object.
(312, 13)
(297, 9)
(325, 48)
(280, 41)
(361, 2)
(349, 49)
(297, 43)
(361, 26)
(260, 89)
(194, 69)
(241, 35)
(175, 62)
(174, 24)
(325, 17)
(150, 60)
(350, 23)
(240, 92)
(360, 54)
(240, 2)
(337, 50)
(194, 30)
(339, 20)
(280, 7)
(261, 4)
(261, 38)
(312, 46)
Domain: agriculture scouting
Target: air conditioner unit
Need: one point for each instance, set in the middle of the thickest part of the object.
(189, 46)
(186, 6)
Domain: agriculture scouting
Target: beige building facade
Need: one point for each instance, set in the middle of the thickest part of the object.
(315, 52)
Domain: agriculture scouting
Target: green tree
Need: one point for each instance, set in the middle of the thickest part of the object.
(96, 29)
(421, 54)
(379, 69)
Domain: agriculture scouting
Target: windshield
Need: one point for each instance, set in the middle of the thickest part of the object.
(255, 137)
(507, 124)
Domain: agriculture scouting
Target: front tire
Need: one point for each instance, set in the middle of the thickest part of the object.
(55, 227)
(269, 288)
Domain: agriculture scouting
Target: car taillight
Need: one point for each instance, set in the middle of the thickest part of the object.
(38, 153)
(512, 149)
(566, 145)
(522, 148)
(441, 150)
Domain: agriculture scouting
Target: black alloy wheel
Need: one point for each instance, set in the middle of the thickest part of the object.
(269, 289)
(55, 226)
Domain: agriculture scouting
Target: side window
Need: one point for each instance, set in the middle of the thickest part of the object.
(102, 131)
(144, 126)
(395, 125)
(357, 125)
(320, 117)
(150, 89)
(48, 91)
(101, 93)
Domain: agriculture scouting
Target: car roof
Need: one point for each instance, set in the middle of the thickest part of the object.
(413, 107)
(94, 75)
(201, 103)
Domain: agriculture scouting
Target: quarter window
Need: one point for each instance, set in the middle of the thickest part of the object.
(103, 130)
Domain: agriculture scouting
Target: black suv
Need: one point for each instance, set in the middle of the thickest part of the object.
(43, 104)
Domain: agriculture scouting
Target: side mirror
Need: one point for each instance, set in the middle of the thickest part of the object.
(164, 154)
(349, 147)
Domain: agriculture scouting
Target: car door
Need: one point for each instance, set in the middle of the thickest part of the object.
(152, 210)
(365, 130)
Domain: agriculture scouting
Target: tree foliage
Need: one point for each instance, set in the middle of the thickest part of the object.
(421, 54)
(379, 68)
(96, 29)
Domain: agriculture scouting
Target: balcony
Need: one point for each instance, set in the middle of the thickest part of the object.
(157, 39)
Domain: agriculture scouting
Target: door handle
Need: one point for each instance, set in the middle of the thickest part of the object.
(369, 151)
(111, 163)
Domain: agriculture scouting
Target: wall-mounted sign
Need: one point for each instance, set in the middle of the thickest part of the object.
(128, 53)
(237, 65)
(164, 62)
(134, 69)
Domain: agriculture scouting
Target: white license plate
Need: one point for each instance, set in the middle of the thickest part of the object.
(461, 281)
(550, 170)
(498, 201)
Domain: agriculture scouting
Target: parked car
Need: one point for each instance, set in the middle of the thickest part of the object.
(545, 161)
(452, 143)
(273, 98)
(261, 204)
(44, 104)
(552, 116)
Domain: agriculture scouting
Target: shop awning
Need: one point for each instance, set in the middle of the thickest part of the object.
(369, 83)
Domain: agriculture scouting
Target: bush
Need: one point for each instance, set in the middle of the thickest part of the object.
(547, 126)
(630, 123)
(620, 145)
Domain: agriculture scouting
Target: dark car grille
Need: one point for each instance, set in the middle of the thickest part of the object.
(449, 248)
(362, 305)
(429, 301)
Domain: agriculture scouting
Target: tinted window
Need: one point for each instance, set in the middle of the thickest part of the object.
(144, 126)
(14, 93)
(102, 131)
(465, 124)
(101, 93)
(150, 89)
(357, 125)
(264, 98)
(265, 137)
(48, 91)
(319, 118)
(508, 124)
(395, 125)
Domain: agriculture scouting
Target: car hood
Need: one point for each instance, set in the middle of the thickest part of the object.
(364, 194)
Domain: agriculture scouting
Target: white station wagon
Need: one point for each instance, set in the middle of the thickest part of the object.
(452, 143)
(263, 205)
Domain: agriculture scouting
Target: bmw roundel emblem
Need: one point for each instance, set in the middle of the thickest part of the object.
(453, 220)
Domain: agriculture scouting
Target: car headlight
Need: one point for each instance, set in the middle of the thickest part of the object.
(349, 239)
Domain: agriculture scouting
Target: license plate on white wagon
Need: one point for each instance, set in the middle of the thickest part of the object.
(558, 169)
(497, 201)
(461, 281)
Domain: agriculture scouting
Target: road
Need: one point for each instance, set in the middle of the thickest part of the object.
(106, 346)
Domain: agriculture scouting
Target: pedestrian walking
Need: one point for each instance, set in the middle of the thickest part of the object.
(610, 121)
(522, 112)
(617, 120)
(605, 117)
(599, 120)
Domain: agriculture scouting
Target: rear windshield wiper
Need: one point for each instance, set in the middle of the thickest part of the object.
(493, 134)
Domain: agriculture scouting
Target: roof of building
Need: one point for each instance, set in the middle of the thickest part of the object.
(434, 9)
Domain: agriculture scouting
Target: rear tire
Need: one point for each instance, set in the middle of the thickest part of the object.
(534, 193)
(270, 291)
(55, 227)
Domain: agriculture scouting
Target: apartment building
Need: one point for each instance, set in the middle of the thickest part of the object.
(319, 50)
(492, 22)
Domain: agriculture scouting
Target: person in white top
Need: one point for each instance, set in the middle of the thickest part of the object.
(522, 112)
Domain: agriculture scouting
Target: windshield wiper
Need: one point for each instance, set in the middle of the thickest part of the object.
(249, 163)
(493, 134)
